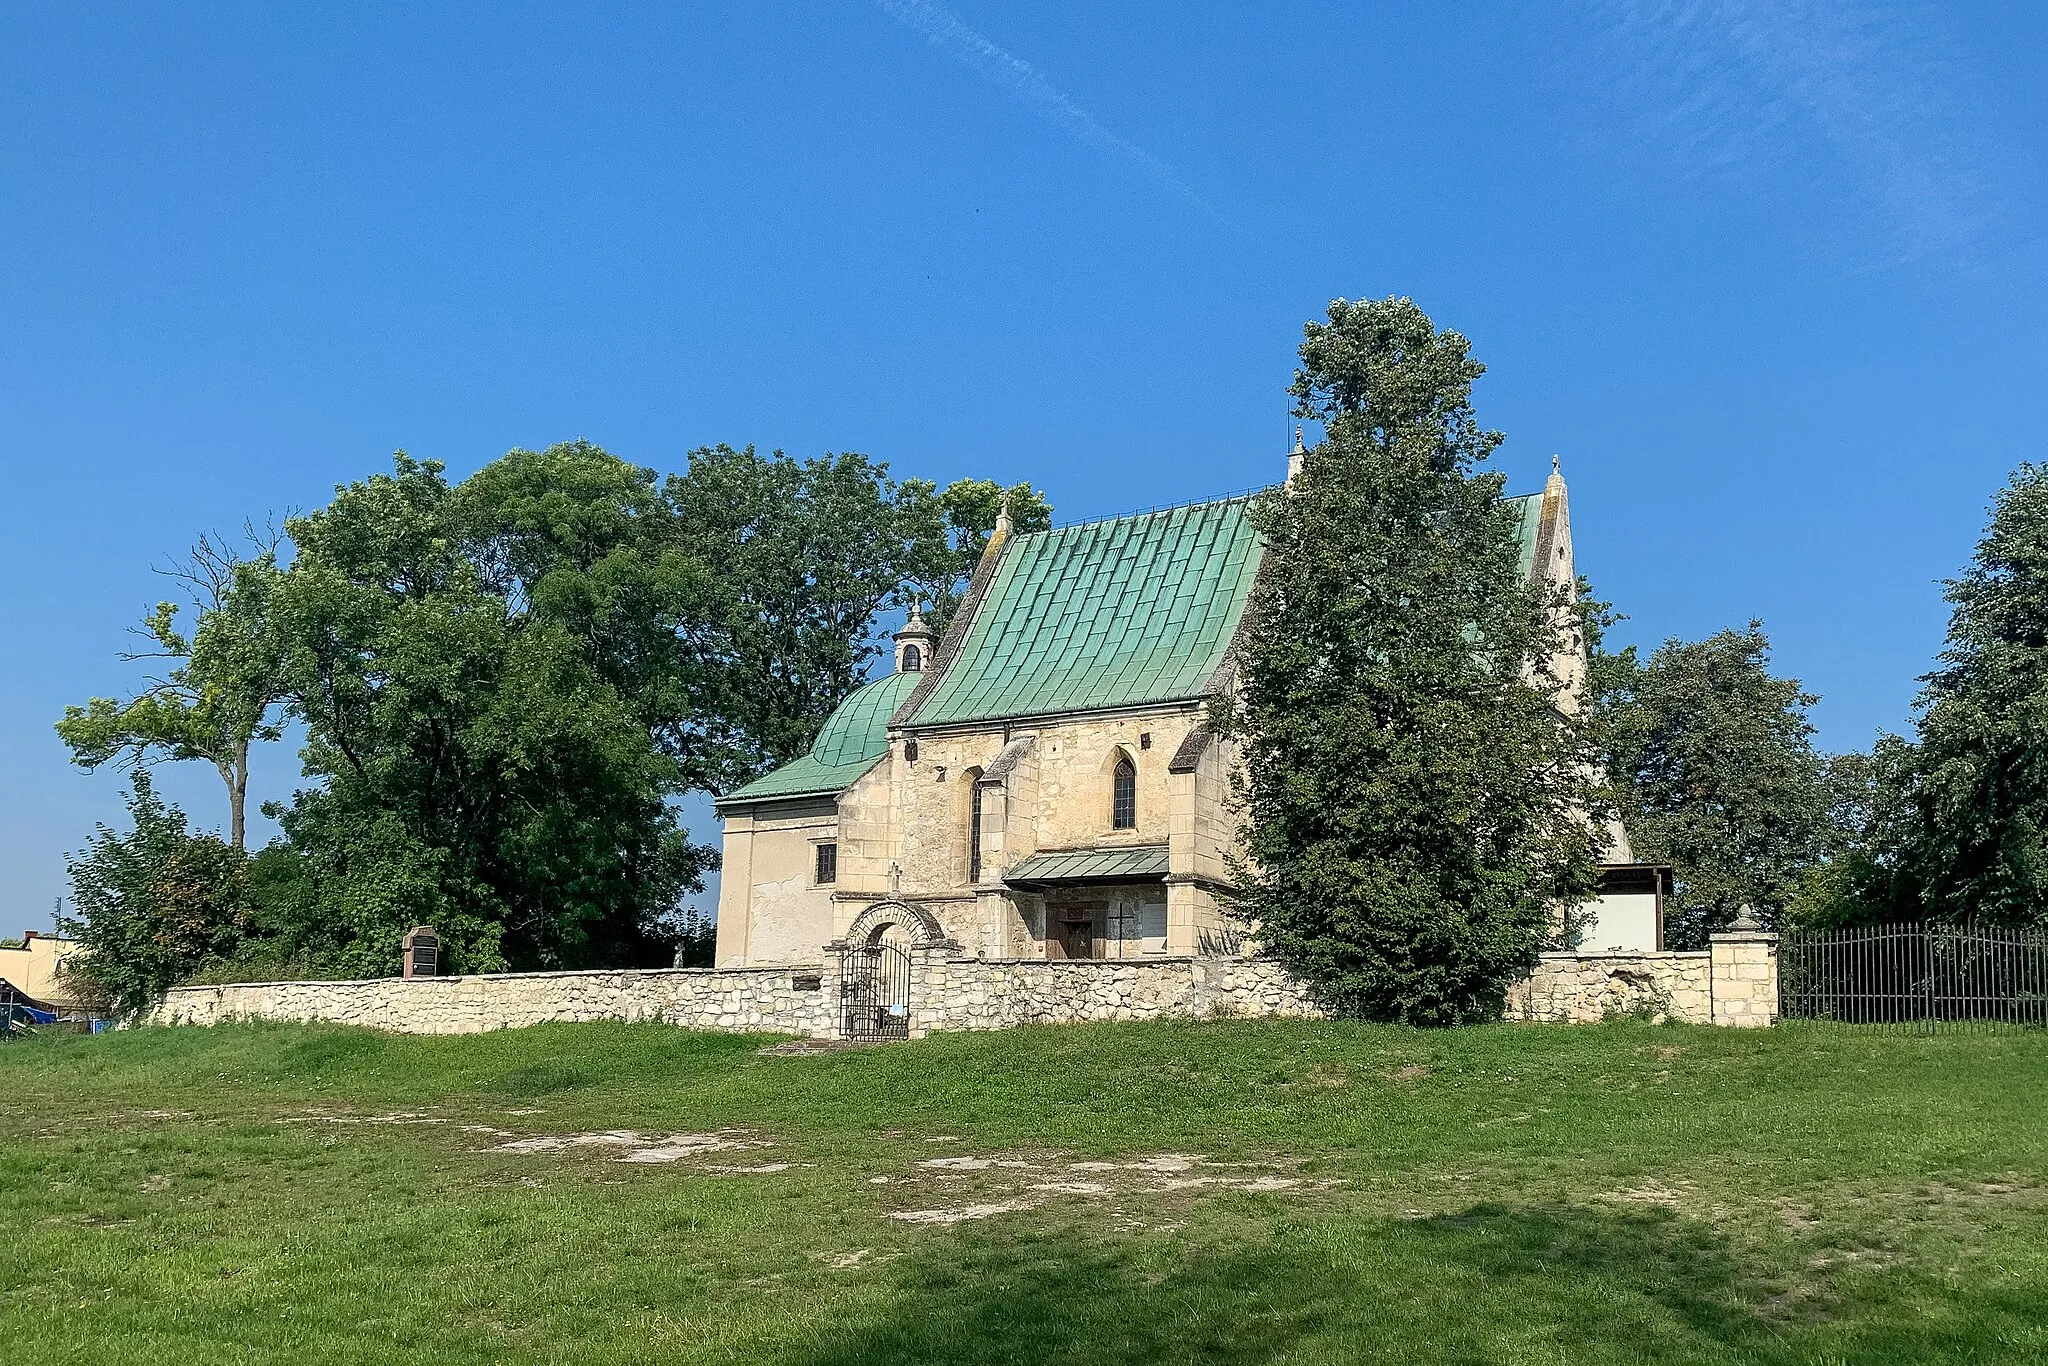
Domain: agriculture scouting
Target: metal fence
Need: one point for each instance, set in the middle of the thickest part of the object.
(1918, 977)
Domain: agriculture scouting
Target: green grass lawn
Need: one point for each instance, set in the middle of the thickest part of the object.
(1217, 1192)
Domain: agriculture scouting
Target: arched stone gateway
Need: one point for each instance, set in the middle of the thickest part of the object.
(915, 921)
(878, 972)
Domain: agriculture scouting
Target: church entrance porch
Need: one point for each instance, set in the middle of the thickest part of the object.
(1105, 922)
(1099, 903)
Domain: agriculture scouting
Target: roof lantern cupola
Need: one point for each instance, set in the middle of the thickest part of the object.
(914, 643)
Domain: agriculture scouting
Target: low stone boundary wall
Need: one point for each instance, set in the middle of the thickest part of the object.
(1733, 982)
(736, 1000)
(969, 993)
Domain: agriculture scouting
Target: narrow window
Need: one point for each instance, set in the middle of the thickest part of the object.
(974, 827)
(913, 660)
(1123, 807)
(1152, 927)
(828, 864)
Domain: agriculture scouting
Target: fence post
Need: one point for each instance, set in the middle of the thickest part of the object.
(1744, 974)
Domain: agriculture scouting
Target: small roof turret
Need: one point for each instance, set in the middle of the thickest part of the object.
(914, 643)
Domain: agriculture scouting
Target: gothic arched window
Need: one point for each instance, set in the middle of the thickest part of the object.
(1123, 796)
(913, 660)
(974, 825)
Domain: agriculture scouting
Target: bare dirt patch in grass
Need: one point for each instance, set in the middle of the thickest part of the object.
(1648, 1193)
(983, 1186)
(956, 1214)
(638, 1147)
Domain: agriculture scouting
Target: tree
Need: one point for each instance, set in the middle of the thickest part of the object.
(1713, 763)
(154, 905)
(478, 725)
(806, 553)
(222, 693)
(1418, 804)
(1978, 787)
(1864, 880)
(967, 508)
(507, 683)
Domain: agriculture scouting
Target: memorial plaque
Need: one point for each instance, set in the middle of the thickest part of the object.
(422, 952)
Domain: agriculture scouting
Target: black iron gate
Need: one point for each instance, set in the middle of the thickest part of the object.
(874, 993)
(1917, 976)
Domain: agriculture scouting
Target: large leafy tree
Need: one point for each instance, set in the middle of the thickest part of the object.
(223, 688)
(1419, 805)
(805, 554)
(1977, 842)
(1713, 764)
(967, 509)
(478, 719)
(1867, 876)
(506, 684)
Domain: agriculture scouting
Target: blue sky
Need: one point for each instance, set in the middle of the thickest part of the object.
(1769, 276)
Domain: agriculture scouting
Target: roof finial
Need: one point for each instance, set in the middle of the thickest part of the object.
(1556, 464)
(1295, 457)
(1003, 517)
(1299, 449)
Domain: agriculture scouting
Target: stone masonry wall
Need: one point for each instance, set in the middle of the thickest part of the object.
(745, 1000)
(1735, 983)
(966, 993)
(1745, 979)
(1583, 988)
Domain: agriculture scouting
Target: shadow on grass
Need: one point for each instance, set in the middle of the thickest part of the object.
(1552, 1283)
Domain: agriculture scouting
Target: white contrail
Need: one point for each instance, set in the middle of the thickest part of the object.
(1023, 80)
(1873, 82)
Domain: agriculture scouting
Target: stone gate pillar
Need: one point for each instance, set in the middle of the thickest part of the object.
(832, 1025)
(931, 990)
(1745, 974)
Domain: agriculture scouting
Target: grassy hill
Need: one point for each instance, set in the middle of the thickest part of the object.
(1218, 1192)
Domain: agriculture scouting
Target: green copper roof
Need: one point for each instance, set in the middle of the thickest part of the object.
(1091, 865)
(854, 737)
(1529, 507)
(1106, 614)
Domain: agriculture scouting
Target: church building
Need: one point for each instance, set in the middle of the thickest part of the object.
(1041, 783)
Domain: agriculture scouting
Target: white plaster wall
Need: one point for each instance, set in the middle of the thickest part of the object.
(770, 910)
(1624, 922)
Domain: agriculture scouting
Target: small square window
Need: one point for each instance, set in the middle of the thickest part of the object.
(828, 864)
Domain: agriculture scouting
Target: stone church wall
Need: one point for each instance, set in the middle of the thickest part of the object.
(771, 910)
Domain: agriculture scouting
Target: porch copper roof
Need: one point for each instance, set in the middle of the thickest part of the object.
(1129, 863)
